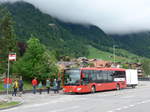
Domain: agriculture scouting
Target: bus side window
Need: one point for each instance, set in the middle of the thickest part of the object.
(105, 79)
(93, 76)
(99, 77)
(115, 74)
(119, 74)
(110, 76)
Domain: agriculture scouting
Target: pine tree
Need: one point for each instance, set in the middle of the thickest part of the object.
(7, 38)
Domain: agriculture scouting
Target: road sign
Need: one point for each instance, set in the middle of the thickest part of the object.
(7, 81)
(12, 57)
(7, 86)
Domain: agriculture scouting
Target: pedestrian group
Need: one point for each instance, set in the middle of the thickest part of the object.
(37, 86)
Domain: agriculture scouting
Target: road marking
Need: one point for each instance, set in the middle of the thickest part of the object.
(128, 96)
(9, 109)
(125, 107)
(118, 109)
(65, 109)
(59, 100)
(130, 106)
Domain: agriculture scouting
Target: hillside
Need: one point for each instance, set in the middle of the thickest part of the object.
(65, 38)
(137, 43)
(124, 57)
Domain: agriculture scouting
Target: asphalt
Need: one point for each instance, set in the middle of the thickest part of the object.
(28, 99)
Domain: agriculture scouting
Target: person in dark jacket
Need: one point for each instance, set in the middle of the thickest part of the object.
(59, 83)
(20, 86)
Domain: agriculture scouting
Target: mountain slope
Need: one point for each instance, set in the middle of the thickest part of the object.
(64, 38)
(137, 43)
(67, 39)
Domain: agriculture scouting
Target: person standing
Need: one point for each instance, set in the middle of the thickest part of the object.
(20, 86)
(15, 87)
(48, 85)
(59, 83)
(40, 87)
(55, 86)
(34, 84)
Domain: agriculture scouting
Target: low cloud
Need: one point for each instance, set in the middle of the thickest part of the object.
(112, 16)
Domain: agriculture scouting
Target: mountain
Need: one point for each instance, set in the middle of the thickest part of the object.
(137, 43)
(67, 38)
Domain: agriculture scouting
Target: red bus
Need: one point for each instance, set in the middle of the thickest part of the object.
(86, 80)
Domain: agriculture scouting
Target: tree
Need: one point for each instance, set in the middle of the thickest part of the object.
(36, 62)
(7, 38)
(146, 67)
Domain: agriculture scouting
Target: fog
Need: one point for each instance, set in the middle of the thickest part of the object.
(112, 16)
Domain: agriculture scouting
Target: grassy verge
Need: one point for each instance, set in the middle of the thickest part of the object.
(27, 86)
(6, 104)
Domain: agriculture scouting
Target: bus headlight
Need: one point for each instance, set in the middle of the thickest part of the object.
(78, 89)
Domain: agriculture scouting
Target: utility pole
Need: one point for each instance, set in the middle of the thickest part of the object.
(11, 57)
(114, 53)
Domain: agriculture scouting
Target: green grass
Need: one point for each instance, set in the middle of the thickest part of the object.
(1, 86)
(6, 104)
(126, 56)
(27, 85)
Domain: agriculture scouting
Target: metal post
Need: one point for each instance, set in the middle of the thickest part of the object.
(8, 76)
(114, 52)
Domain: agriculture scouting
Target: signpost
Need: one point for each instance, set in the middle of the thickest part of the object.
(11, 57)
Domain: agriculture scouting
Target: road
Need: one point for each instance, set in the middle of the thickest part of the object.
(126, 100)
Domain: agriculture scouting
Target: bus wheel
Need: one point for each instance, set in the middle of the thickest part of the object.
(133, 86)
(93, 89)
(117, 87)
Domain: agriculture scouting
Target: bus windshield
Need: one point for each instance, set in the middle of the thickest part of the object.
(72, 77)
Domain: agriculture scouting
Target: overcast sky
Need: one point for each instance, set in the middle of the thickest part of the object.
(112, 16)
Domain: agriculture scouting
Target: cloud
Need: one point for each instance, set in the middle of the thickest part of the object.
(113, 16)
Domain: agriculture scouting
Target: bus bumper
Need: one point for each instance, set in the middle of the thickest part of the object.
(71, 89)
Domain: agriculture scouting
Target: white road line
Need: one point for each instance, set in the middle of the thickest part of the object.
(125, 107)
(65, 109)
(138, 103)
(128, 96)
(130, 106)
(118, 109)
(9, 109)
(60, 100)
(142, 102)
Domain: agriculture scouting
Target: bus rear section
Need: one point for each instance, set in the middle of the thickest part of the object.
(86, 80)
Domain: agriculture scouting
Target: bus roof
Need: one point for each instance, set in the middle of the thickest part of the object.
(107, 69)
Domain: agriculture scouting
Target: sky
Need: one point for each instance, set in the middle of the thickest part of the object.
(112, 16)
